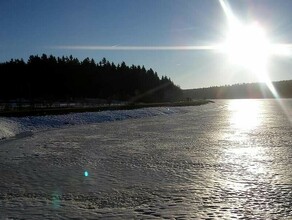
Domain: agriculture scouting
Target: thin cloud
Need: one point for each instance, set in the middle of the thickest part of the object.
(147, 48)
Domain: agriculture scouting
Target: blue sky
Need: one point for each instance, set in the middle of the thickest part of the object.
(33, 27)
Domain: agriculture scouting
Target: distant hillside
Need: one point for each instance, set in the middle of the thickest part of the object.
(241, 91)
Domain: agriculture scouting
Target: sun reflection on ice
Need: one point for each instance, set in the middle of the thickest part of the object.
(242, 153)
(245, 114)
(250, 157)
(245, 119)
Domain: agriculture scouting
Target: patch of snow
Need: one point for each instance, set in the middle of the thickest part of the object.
(10, 127)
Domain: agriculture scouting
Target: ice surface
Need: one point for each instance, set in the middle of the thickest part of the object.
(197, 165)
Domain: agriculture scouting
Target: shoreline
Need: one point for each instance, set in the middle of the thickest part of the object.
(34, 124)
(62, 111)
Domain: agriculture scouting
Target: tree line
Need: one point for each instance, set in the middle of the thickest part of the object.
(239, 91)
(66, 78)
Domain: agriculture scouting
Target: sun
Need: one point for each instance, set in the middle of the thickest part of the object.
(248, 46)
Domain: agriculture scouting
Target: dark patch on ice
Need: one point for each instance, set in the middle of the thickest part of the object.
(21, 135)
(24, 134)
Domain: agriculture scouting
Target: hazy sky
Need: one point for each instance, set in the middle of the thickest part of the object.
(33, 27)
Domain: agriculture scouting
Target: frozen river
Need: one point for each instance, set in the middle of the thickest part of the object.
(230, 159)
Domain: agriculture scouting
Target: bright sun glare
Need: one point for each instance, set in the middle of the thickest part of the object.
(247, 46)
(245, 114)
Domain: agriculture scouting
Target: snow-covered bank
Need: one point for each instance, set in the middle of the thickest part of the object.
(10, 127)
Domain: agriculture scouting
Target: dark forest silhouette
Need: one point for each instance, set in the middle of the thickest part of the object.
(240, 91)
(66, 78)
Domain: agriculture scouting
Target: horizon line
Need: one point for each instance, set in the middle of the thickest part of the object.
(234, 84)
